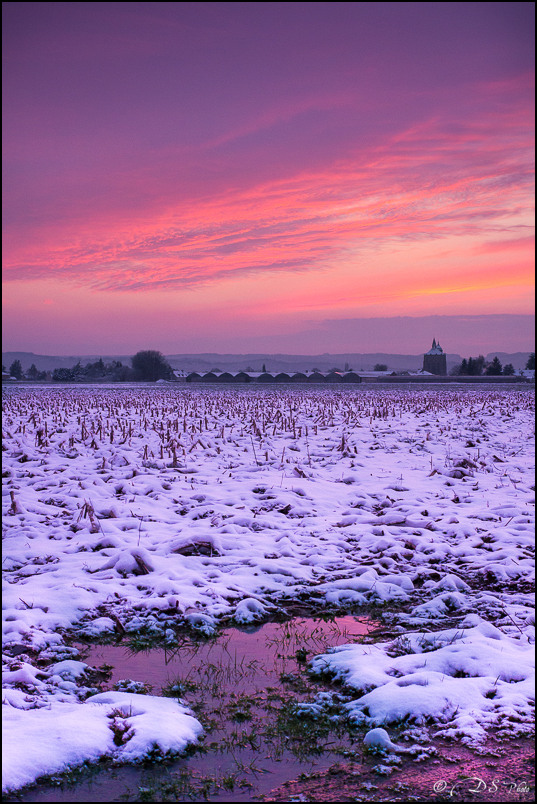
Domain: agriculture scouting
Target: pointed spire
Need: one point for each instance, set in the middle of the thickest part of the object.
(434, 343)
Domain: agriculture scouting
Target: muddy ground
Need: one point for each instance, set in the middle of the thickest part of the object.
(502, 773)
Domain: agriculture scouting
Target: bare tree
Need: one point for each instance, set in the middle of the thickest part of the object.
(151, 365)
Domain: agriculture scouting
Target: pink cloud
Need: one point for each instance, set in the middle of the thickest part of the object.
(426, 183)
(354, 158)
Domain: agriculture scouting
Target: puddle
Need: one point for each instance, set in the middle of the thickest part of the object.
(247, 658)
(242, 686)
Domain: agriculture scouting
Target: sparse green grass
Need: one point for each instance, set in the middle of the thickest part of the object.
(250, 718)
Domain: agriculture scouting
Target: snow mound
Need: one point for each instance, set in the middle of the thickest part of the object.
(124, 726)
(249, 610)
(459, 681)
(378, 741)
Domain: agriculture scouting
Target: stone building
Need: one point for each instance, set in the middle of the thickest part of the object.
(435, 360)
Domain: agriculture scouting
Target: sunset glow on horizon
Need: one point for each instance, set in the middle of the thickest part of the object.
(224, 176)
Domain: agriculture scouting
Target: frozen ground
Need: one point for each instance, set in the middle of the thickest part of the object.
(130, 509)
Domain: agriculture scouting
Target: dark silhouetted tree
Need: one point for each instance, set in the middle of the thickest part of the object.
(530, 364)
(62, 375)
(15, 370)
(494, 369)
(479, 364)
(77, 371)
(124, 374)
(380, 367)
(94, 370)
(508, 370)
(32, 373)
(151, 365)
(473, 366)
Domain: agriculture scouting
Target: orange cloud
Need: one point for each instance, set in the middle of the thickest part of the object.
(420, 215)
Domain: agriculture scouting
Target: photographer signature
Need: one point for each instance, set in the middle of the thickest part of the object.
(478, 785)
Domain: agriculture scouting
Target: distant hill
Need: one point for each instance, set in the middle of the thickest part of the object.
(518, 359)
(273, 362)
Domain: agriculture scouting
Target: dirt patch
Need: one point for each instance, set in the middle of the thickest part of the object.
(504, 772)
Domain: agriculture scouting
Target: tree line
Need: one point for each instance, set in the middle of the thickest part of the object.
(146, 365)
(150, 365)
(477, 366)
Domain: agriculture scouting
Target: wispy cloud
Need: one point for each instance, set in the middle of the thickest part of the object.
(437, 180)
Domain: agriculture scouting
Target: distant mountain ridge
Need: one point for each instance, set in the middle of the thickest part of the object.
(273, 362)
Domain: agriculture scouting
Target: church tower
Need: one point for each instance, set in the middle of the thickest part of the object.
(434, 360)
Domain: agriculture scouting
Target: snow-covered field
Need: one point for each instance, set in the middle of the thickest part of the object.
(133, 509)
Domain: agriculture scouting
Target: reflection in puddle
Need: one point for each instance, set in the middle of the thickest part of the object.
(243, 686)
(246, 658)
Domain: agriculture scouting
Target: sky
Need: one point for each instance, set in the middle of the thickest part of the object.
(293, 177)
